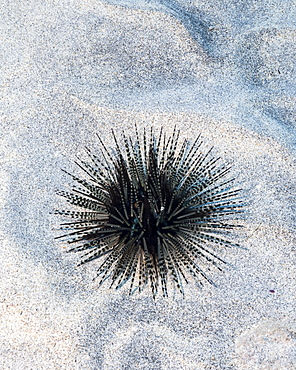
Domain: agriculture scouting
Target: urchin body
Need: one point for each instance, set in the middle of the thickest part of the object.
(155, 210)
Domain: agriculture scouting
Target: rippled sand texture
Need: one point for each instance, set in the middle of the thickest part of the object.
(70, 69)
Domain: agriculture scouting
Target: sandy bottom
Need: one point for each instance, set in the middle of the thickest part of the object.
(75, 68)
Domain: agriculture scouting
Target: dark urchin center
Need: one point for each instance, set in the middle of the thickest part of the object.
(150, 223)
(146, 221)
(150, 218)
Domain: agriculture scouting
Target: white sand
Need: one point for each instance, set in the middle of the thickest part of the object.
(225, 69)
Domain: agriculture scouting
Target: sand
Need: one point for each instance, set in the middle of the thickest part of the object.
(70, 69)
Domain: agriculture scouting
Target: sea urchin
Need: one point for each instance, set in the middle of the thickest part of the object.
(153, 209)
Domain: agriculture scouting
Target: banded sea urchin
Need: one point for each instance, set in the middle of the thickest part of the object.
(154, 209)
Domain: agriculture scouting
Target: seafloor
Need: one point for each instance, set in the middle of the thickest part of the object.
(73, 68)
